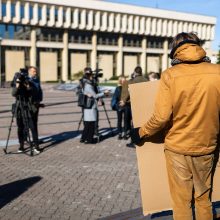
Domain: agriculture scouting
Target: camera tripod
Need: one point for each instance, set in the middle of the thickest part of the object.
(96, 124)
(29, 131)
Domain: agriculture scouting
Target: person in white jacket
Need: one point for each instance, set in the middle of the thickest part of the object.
(90, 114)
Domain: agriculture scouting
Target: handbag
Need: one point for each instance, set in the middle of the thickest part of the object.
(85, 101)
(81, 99)
(89, 102)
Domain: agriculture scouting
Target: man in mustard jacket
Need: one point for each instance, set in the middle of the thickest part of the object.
(188, 99)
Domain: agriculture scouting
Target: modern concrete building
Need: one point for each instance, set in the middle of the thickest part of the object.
(62, 36)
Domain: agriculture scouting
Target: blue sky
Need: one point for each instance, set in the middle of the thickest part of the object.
(204, 7)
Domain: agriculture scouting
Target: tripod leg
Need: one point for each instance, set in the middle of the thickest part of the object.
(108, 119)
(80, 123)
(26, 116)
(9, 133)
(14, 110)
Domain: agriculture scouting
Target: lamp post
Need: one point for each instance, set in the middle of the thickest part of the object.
(0, 62)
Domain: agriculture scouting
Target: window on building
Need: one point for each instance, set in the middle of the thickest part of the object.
(80, 37)
(3, 9)
(12, 10)
(22, 11)
(132, 41)
(31, 13)
(50, 34)
(107, 39)
(15, 32)
(155, 43)
(39, 12)
(56, 14)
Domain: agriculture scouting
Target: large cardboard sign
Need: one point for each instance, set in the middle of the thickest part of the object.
(151, 160)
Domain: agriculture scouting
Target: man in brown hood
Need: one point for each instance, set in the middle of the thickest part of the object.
(189, 98)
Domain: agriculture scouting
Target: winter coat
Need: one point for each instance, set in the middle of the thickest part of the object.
(116, 98)
(188, 97)
(26, 98)
(125, 97)
(91, 114)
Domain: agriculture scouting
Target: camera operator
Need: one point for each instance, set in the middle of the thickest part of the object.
(90, 115)
(26, 85)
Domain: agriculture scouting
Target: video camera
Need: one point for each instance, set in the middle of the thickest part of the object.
(22, 76)
(96, 74)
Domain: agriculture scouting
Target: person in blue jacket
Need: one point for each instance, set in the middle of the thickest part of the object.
(116, 107)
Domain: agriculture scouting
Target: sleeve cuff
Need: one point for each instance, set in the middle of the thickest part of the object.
(142, 132)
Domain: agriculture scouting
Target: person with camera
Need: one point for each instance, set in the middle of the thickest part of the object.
(28, 93)
(90, 112)
(188, 100)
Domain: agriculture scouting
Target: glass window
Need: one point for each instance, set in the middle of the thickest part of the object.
(2, 30)
(31, 11)
(80, 37)
(132, 41)
(12, 10)
(40, 12)
(155, 42)
(49, 34)
(16, 32)
(22, 11)
(107, 39)
(3, 9)
(56, 14)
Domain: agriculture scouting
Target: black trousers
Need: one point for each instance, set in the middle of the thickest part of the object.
(31, 124)
(128, 118)
(88, 131)
(120, 117)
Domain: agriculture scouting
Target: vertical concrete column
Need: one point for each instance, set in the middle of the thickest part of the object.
(65, 57)
(26, 18)
(124, 23)
(165, 55)
(43, 20)
(143, 55)
(35, 18)
(67, 15)
(83, 19)
(7, 18)
(33, 50)
(94, 51)
(17, 17)
(104, 21)
(120, 56)
(213, 32)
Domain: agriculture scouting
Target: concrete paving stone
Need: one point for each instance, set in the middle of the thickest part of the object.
(68, 180)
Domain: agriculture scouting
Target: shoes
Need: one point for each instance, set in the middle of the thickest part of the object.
(120, 136)
(36, 151)
(20, 150)
(131, 145)
(94, 141)
(82, 141)
(126, 136)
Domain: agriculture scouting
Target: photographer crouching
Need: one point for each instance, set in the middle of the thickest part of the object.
(27, 90)
(90, 110)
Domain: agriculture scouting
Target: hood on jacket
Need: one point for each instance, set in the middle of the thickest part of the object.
(189, 53)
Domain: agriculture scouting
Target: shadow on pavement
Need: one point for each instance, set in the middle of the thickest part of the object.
(136, 214)
(106, 133)
(11, 191)
(53, 140)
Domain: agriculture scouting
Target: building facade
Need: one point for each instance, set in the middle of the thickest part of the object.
(62, 37)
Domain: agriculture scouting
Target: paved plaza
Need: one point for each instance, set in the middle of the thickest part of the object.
(68, 180)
